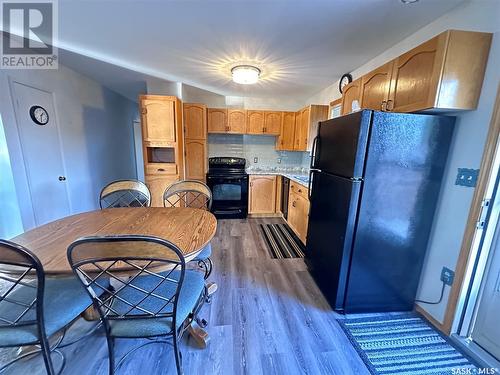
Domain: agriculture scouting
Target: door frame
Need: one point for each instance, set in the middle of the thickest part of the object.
(472, 236)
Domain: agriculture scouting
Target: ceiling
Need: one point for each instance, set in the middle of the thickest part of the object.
(301, 46)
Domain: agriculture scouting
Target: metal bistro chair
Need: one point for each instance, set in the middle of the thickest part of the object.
(125, 193)
(33, 307)
(154, 297)
(194, 194)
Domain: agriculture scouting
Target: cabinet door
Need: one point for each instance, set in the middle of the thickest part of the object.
(302, 218)
(217, 120)
(272, 123)
(157, 185)
(286, 139)
(293, 212)
(302, 130)
(195, 121)
(158, 119)
(415, 77)
(375, 88)
(262, 195)
(255, 122)
(196, 158)
(237, 120)
(351, 93)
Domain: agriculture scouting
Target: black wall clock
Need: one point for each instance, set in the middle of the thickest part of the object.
(345, 80)
(39, 115)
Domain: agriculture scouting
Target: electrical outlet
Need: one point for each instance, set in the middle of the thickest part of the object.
(255, 159)
(447, 276)
(279, 160)
(467, 177)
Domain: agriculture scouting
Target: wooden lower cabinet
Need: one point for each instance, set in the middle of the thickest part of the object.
(262, 194)
(298, 211)
(157, 185)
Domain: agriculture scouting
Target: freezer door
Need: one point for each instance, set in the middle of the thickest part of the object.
(340, 147)
(404, 168)
(332, 216)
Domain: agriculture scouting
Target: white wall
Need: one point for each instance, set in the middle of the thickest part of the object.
(467, 145)
(96, 130)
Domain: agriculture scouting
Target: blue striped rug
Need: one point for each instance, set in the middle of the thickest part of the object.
(403, 344)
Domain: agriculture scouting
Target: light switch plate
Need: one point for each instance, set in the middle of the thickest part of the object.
(467, 177)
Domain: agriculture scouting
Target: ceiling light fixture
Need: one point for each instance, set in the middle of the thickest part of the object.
(409, 1)
(245, 74)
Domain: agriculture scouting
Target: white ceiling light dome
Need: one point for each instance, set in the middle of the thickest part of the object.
(245, 74)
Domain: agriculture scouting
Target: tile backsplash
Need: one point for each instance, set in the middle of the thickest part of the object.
(250, 147)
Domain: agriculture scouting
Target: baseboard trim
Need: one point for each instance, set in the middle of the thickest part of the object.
(438, 325)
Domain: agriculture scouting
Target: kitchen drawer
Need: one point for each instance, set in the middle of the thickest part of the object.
(161, 168)
(299, 189)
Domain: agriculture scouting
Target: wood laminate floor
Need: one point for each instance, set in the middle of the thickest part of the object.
(268, 317)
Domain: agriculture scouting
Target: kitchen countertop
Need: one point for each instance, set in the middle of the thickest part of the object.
(294, 175)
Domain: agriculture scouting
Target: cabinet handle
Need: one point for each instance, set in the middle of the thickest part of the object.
(161, 169)
(293, 204)
(391, 106)
(383, 105)
(300, 190)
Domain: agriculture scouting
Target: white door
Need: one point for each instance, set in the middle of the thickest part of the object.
(486, 331)
(42, 156)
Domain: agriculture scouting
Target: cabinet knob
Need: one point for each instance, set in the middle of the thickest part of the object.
(293, 204)
(383, 105)
(390, 105)
(62, 178)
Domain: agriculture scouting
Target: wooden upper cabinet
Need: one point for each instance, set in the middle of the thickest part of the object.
(272, 122)
(195, 121)
(414, 77)
(158, 118)
(352, 92)
(306, 126)
(255, 122)
(301, 130)
(196, 159)
(262, 194)
(286, 139)
(445, 72)
(375, 88)
(217, 120)
(237, 121)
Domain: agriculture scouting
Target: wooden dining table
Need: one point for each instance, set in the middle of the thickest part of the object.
(191, 229)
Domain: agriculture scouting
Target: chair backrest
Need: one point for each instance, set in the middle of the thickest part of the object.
(188, 193)
(125, 193)
(22, 282)
(112, 269)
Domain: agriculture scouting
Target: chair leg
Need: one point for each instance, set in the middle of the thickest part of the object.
(177, 353)
(209, 267)
(45, 348)
(111, 353)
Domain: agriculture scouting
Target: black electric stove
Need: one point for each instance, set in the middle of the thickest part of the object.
(228, 181)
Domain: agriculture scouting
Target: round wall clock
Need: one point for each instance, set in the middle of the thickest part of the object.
(39, 115)
(345, 80)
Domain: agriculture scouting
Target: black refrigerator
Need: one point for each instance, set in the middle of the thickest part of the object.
(375, 182)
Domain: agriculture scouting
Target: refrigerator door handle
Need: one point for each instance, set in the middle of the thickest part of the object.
(309, 184)
(313, 152)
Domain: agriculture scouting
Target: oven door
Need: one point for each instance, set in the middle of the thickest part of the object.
(229, 195)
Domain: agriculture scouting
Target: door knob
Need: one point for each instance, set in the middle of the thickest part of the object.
(62, 178)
